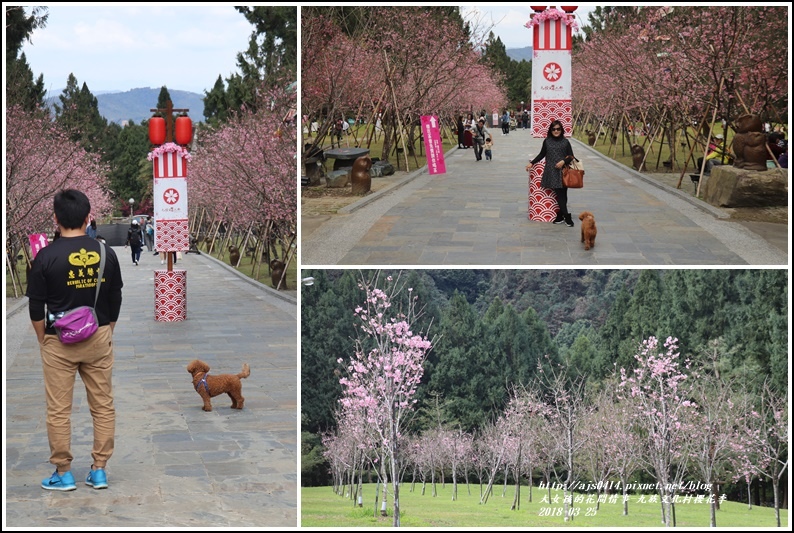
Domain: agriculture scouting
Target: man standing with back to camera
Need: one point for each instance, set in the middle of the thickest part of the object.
(63, 276)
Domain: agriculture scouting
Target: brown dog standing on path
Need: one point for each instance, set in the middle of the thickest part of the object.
(588, 229)
(208, 386)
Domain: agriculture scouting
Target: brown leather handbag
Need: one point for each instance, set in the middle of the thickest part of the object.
(573, 175)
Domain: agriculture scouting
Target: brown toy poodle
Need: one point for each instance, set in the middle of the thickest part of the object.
(588, 229)
(208, 385)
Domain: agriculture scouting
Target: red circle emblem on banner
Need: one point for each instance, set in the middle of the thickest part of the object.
(171, 196)
(552, 72)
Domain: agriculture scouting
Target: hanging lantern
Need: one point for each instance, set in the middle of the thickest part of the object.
(183, 131)
(157, 130)
(538, 9)
(569, 9)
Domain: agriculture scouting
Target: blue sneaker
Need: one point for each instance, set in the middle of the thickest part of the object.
(64, 481)
(97, 479)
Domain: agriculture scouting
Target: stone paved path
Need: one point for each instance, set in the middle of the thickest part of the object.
(174, 465)
(476, 214)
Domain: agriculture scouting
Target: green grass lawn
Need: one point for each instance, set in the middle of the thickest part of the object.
(654, 161)
(247, 265)
(321, 507)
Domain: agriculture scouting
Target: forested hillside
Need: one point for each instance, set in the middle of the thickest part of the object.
(135, 105)
(491, 328)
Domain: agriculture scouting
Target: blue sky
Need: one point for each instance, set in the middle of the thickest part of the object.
(126, 46)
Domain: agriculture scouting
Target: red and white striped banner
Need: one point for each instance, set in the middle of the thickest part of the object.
(552, 35)
(170, 165)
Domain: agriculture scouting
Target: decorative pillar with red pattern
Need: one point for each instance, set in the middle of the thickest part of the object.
(170, 295)
(170, 163)
(551, 93)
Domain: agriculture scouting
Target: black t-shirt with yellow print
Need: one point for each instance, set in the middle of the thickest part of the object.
(63, 276)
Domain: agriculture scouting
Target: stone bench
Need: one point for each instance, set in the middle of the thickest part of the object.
(345, 157)
(338, 179)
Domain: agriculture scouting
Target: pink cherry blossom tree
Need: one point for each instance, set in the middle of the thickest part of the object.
(626, 448)
(567, 411)
(385, 370)
(403, 62)
(663, 413)
(458, 447)
(492, 451)
(674, 65)
(525, 412)
(714, 437)
(596, 457)
(764, 440)
(40, 161)
(243, 172)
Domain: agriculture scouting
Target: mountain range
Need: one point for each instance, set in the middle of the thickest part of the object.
(520, 54)
(136, 104)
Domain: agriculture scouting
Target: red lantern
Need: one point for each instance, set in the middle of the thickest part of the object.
(183, 131)
(538, 9)
(569, 9)
(157, 130)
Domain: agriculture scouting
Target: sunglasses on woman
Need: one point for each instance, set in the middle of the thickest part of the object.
(556, 129)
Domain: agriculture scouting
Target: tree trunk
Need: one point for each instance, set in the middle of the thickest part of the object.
(625, 500)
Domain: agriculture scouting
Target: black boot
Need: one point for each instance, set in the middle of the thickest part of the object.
(568, 221)
(559, 219)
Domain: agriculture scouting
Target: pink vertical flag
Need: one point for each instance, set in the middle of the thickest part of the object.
(37, 242)
(433, 147)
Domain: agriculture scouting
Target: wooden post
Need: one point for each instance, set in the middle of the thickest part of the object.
(708, 140)
(287, 262)
(12, 271)
(697, 133)
(396, 108)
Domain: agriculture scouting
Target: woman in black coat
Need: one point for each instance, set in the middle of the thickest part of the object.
(460, 128)
(558, 152)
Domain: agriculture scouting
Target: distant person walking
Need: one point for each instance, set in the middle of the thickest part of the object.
(558, 152)
(63, 276)
(135, 241)
(148, 233)
(480, 133)
(505, 123)
(468, 131)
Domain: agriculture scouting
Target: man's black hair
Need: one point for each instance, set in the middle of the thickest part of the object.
(71, 208)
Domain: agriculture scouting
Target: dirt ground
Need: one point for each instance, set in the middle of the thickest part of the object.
(322, 200)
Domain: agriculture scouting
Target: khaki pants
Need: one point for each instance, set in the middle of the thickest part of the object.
(93, 359)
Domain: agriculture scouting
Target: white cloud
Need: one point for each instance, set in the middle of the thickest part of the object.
(120, 47)
(507, 21)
